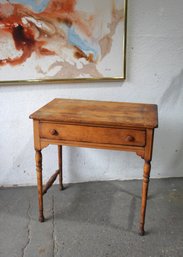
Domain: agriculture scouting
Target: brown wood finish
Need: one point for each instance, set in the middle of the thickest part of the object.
(101, 113)
(95, 124)
(92, 134)
(38, 158)
(50, 182)
(146, 176)
(60, 165)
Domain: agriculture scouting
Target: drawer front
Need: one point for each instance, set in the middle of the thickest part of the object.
(90, 134)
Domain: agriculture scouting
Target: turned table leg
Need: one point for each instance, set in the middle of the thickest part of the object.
(147, 169)
(38, 158)
(60, 165)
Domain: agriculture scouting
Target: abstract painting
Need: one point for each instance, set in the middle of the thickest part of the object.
(55, 40)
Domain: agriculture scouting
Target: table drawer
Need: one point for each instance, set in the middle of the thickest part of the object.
(115, 136)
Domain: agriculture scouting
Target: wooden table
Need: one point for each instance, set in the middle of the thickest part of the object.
(94, 124)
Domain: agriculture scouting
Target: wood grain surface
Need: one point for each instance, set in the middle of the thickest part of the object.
(99, 113)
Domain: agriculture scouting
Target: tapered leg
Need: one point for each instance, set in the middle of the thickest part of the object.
(60, 167)
(38, 158)
(147, 169)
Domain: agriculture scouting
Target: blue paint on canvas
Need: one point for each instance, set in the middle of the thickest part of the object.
(76, 40)
(37, 6)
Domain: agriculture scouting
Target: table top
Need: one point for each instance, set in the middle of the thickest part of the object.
(89, 112)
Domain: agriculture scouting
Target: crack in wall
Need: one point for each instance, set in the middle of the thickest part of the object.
(28, 231)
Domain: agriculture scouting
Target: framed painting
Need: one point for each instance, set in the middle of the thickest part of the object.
(62, 40)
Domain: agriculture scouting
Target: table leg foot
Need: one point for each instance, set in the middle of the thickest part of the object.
(141, 232)
(41, 218)
(61, 187)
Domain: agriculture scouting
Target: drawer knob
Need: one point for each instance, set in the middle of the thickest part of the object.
(130, 139)
(53, 132)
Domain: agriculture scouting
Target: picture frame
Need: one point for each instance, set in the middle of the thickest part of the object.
(55, 41)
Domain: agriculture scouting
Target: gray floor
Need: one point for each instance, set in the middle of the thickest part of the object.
(98, 219)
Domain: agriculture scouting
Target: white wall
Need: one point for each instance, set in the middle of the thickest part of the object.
(154, 75)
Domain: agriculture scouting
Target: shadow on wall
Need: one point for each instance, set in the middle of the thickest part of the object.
(173, 94)
(171, 128)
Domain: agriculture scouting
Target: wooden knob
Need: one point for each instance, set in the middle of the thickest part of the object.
(53, 132)
(130, 139)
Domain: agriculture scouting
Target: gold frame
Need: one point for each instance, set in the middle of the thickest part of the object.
(83, 80)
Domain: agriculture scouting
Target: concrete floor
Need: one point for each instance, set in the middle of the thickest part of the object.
(97, 219)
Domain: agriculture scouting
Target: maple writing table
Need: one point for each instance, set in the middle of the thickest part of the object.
(94, 124)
